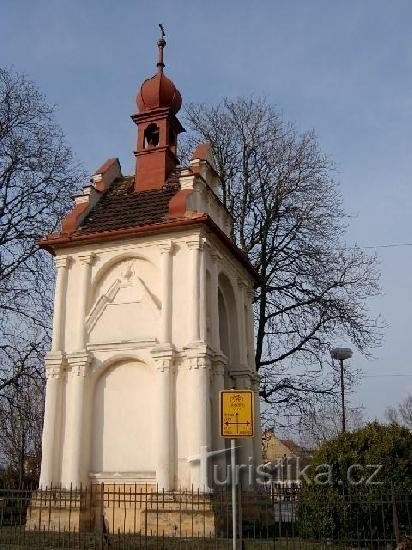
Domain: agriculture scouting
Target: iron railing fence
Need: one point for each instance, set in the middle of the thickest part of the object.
(139, 516)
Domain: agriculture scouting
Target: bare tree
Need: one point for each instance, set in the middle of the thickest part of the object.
(402, 414)
(38, 175)
(37, 178)
(21, 421)
(324, 422)
(290, 222)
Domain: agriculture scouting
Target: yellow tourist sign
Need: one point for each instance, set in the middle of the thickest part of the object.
(236, 413)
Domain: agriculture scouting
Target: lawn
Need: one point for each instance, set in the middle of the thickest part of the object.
(16, 538)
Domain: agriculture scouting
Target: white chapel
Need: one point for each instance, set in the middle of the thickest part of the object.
(152, 316)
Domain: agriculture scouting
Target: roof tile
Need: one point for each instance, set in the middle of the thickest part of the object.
(121, 207)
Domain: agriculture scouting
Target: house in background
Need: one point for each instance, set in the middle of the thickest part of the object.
(283, 458)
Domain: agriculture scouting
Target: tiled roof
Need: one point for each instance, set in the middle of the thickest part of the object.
(122, 207)
(294, 447)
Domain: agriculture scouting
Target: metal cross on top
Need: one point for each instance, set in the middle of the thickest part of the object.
(161, 43)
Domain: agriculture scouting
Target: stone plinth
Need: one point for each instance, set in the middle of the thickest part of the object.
(59, 510)
(124, 509)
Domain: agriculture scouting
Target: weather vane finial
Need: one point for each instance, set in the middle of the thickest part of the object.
(161, 43)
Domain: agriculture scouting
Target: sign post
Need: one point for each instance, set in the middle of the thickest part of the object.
(234, 488)
(236, 422)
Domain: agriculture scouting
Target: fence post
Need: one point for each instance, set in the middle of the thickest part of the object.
(240, 516)
(395, 516)
(234, 481)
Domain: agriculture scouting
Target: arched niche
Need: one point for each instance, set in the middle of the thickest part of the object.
(122, 441)
(228, 322)
(124, 301)
(209, 308)
(223, 325)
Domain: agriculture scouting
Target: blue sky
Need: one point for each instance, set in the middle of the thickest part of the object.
(343, 68)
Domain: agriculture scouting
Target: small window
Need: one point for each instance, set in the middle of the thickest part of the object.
(151, 136)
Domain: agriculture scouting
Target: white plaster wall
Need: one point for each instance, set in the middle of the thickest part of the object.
(139, 297)
(123, 311)
(123, 420)
(205, 199)
(124, 302)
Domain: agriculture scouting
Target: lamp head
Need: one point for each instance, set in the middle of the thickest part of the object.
(341, 353)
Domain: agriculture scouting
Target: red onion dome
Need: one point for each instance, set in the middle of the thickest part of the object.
(158, 91)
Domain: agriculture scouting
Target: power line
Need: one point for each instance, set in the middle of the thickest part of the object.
(390, 245)
(383, 375)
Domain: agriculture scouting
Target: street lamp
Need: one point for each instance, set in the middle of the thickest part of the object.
(341, 354)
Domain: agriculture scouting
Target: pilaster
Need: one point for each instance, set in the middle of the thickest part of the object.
(218, 385)
(62, 264)
(78, 366)
(199, 364)
(214, 299)
(166, 251)
(202, 293)
(196, 248)
(163, 356)
(54, 364)
(219, 368)
(86, 261)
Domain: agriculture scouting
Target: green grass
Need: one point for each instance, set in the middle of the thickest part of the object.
(16, 538)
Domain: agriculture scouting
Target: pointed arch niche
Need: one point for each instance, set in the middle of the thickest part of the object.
(124, 303)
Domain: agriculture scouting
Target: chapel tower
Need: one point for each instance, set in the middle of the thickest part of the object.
(152, 315)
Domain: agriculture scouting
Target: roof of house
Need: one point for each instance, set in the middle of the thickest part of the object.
(122, 207)
(294, 447)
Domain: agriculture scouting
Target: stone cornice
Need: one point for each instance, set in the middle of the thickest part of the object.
(255, 380)
(78, 363)
(162, 351)
(195, 244)
(199, 362)
(220, 357)
(198, 349)
(62, 262)
(242, 372)
(215, 255)
(54, 363)
(70, 238)
(87, 257)
(141, 343)
(166, 247)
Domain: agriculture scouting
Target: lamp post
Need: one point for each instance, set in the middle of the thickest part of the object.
(341, 354)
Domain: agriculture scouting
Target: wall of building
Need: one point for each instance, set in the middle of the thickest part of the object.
(136, 362)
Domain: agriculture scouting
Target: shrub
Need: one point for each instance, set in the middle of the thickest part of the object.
(353, 482)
